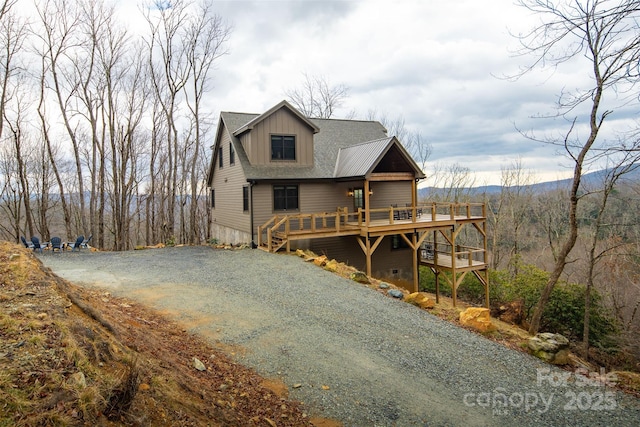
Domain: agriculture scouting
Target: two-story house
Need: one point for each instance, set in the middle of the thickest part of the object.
(343, 188)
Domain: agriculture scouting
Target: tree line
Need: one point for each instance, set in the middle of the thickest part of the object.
(103, 132)
(103, 129)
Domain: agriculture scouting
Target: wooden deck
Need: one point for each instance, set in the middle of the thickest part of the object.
(370, 226)
(369, 222)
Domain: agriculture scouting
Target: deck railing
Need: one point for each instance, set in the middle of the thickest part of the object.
(283, 226)
(466, 254)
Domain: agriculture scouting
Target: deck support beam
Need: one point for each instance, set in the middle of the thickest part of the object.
(368, 249)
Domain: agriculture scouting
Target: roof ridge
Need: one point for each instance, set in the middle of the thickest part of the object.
(368, 142)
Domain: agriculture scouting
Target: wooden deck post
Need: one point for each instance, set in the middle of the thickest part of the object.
(416, 284)
(368, 254)
(367, 205)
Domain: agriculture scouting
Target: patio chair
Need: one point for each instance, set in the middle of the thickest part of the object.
(86, 241)
(37, 247)
(56, 243)
(26, 243)
(77, 244)
(396, 212)
(409, 210)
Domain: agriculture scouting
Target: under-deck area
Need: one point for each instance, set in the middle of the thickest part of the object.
(433, 231)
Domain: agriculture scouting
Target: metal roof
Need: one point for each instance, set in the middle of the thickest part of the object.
(359, 160)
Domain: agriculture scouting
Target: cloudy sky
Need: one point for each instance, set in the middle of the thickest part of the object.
(432, 63)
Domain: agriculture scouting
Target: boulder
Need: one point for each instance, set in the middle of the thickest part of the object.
(477, 318)
(360, 277)
(331, 266)
(395, 293)
(552, 348)
(198, 364)
(320, 260)
(421, 300)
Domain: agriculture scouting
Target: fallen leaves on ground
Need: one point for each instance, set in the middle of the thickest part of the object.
(74, 356)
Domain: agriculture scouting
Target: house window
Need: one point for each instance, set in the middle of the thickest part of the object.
(283, 147)
(213, 198)
(220, 159)
(285, 197)
(232, 155)
(397, 242)
(245, 198)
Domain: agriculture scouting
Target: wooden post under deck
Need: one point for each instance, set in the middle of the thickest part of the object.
(368, 251)
(415, 263)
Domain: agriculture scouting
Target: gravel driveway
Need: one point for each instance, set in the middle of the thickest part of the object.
(346, 351)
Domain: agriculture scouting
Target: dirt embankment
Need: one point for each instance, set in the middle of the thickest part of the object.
(72, 356)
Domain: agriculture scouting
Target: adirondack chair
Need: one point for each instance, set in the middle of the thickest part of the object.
(77, 244)
(37, 247)
(27, 244)
(56, 243)
(86, 241)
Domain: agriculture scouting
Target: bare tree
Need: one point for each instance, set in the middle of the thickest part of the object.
(170, 74)
(317, 98)
(452, 182)
(510, 213)
(13, 32)
(605, 34)
(205, 37)
(599, 229)
(419, 148)
(58, 21)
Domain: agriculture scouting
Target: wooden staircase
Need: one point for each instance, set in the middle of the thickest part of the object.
(278, 240)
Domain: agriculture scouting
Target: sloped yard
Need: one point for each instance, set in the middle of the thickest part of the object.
(345, 350)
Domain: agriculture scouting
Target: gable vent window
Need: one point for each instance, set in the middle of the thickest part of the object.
(283, 147)
(285, 197)
(232, 155)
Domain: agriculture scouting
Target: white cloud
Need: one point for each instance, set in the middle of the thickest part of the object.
(432, 62)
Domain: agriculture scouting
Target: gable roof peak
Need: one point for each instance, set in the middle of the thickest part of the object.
(282, 104)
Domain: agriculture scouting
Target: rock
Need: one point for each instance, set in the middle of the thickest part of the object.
(552, 348)
(395, 293)
(477, 318)
(384, 285)
(331, 266)
(79, 379)
(198, 364)
(512, 312)
(320, 261)
(360, 277)
(420, 299)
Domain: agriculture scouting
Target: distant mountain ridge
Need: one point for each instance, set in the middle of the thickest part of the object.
(591, 179)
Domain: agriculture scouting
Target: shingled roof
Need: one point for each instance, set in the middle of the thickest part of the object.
(342, 148)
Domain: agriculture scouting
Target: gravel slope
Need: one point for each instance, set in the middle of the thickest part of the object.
(384, 362)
